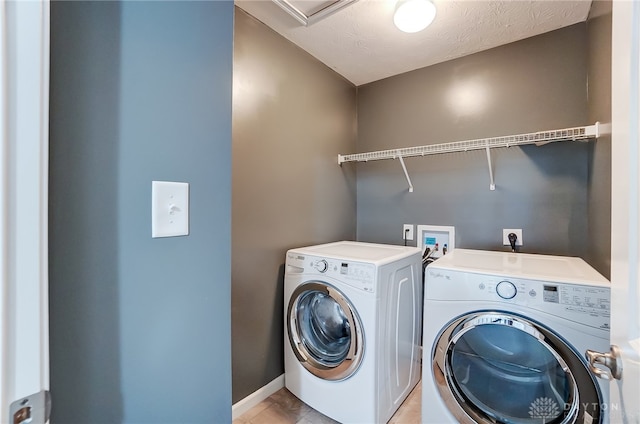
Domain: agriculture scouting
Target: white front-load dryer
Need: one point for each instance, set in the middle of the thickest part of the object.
(352, 328)
(505, 336)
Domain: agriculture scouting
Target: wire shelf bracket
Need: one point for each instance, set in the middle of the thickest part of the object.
(538, 138)
(406, 174)
(492, 183)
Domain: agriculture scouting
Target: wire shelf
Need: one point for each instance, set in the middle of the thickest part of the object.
(538, 138)
(542, 137)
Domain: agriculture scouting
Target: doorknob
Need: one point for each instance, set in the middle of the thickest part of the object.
(33, 409)
(611, 360)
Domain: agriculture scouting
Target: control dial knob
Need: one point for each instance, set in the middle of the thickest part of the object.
(322, 265)
(506, 289)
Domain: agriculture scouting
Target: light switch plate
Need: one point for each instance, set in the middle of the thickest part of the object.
(169, 209)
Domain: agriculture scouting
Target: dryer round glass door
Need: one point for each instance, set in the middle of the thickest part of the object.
(499, 367)
(324, 331)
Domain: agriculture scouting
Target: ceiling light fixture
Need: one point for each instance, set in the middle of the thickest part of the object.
(414, 15)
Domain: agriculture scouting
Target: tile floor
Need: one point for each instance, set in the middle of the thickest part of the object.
(284, 408)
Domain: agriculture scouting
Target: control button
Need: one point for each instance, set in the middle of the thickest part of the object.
(506, 289)
(532, 293)
(481, 286)
(322, 266)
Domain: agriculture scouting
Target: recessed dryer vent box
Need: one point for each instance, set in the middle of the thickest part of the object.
(430, 235)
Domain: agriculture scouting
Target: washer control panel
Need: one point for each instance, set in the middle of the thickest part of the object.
(579, 298)
(359, 275)
(581, 303)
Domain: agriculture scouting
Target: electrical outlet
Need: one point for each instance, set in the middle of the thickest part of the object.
(407, 232)
(505, 236)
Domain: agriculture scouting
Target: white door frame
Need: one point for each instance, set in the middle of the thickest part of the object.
(24, 159)
(625, 216)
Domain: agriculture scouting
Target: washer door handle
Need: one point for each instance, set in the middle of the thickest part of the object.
(610, 360)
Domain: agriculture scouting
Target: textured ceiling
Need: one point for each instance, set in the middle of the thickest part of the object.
(361, 43)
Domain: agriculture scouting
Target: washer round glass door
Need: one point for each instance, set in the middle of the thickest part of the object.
(497, 367)
(324, 331)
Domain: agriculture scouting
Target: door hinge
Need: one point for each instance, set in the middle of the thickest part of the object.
(33, 409)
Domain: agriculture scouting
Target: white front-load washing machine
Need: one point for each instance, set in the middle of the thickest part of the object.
(352, 328)
(505, 336)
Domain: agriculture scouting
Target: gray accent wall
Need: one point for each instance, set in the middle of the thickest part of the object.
(292, 116)
(536, 84)
(599, 182)
(140, 327)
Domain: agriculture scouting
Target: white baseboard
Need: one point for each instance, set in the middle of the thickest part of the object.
(256, 397)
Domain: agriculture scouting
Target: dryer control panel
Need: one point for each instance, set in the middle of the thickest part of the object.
(359, 275)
